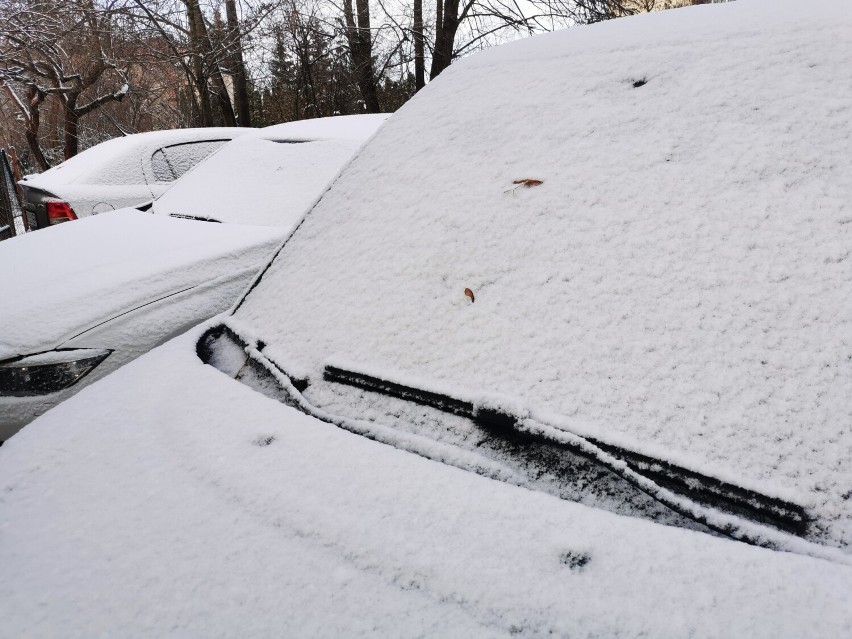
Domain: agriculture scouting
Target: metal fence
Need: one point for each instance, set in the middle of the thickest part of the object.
(11, 219)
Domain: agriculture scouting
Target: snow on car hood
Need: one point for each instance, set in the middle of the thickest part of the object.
(653, 215)
(270, 176)
(169, 487)
(62, 280)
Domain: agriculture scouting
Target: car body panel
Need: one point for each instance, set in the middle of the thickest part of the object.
(129, 335)
(133, 281)
(84, 200)
(115, 262)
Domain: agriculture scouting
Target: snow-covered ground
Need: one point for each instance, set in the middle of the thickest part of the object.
(678, 283)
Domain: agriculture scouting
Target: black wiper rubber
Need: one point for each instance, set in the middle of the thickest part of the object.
(691, 484)
(197, 218)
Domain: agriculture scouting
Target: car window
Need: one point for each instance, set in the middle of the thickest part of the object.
(258, 181)
(171, 162)
(160, 164)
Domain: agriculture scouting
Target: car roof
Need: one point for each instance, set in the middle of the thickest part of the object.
(341, 127)
(272, 175)
(652, 216)
(103, 157)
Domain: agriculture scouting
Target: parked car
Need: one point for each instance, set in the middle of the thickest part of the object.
(564, 351)
(130, 279)
(122, 172)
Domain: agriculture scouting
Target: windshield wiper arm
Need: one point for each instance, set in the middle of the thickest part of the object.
(681, 481)
(734, 511)
(198, 218)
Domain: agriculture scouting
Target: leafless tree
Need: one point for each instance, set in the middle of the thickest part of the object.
(64, 51)
(75, 72)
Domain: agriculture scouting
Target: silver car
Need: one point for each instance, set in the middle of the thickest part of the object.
(122, 172)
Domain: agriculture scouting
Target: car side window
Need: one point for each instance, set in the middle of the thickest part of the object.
(171, 162)
(160, 164)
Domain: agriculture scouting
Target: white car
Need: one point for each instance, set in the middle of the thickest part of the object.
(565, 351)
(121, 172)
(83, 299)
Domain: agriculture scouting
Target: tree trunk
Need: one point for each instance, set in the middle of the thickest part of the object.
(241, 96)
(445, 36)
(361, 51)
(419, 63)
(203, 49)
(205, 110)
(70, 126)
(32, 121)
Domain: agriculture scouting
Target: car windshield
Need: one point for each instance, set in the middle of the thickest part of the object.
(269, 177)
(593, 242)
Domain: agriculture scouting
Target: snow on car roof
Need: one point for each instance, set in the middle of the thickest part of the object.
(111, 156)
(270, 176)
(653, 215)
(342, 127)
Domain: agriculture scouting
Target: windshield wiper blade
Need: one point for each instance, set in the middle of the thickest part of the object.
(535, 445)
(198, 218)
(687, 483)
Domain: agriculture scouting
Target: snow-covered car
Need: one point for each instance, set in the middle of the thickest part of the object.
(118, 173)
(565, 351)
(130, 279)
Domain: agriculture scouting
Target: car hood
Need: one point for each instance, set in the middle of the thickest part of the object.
(168, 486)
(61, 281)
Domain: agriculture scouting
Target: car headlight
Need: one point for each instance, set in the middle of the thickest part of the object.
(47, 372)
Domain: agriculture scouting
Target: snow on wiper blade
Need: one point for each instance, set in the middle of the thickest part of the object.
(199, 218)
(495, 438)
(662, 474)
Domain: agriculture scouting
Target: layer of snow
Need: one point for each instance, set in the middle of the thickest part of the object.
(270, 176)
(681, 279)
(54, 357)
(65, 279)
(121, 160)
(169, 500)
